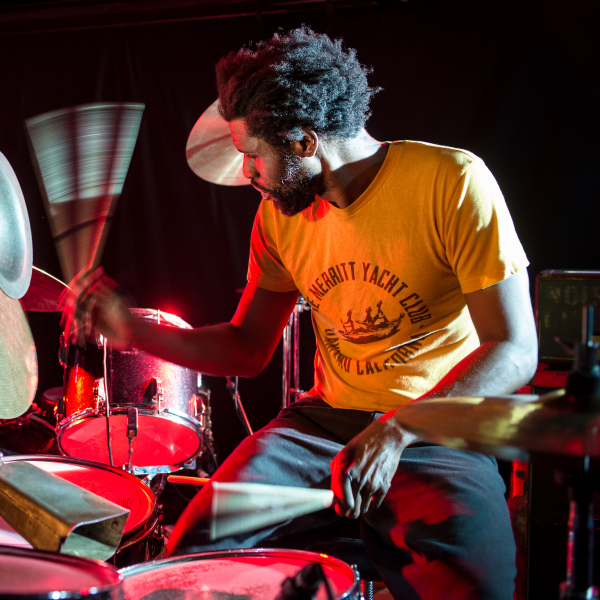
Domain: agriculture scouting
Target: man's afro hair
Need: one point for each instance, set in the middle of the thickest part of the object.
(294, 80)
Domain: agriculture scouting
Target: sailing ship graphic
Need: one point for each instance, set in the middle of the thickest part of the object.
(371, 328)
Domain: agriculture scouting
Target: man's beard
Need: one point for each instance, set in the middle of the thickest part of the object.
(297, 190)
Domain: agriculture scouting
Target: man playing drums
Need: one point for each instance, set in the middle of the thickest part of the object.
(419, 231)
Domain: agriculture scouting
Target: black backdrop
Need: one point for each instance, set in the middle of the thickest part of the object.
(511, 81)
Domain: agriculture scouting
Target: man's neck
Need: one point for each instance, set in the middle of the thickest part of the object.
(349, 167)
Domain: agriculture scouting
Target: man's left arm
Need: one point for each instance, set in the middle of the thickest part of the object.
(505, 360)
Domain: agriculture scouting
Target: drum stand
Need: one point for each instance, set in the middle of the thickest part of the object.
(291, 346)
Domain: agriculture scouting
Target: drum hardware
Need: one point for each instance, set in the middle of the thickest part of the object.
(305, 584)
(291, 353)
(132, 430)
(253, 574)
(56, 515)
(560, 429)
(142, 538)
(232, 387)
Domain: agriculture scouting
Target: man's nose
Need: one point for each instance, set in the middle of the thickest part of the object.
(248, 169)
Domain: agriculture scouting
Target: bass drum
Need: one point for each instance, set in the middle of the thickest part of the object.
(172, 405)
(255, 574)
(142, 536)
(35, 575)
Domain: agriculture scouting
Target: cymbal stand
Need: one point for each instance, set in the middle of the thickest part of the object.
(291, 347)
(583, 394)
(232, 387)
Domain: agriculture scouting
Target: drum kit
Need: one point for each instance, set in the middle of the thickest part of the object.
(124, 417)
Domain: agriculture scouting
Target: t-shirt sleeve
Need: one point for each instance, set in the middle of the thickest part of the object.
(265, 267)
(481, 242)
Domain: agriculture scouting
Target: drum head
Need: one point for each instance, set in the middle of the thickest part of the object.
(114, 485)
(161, 440)
(36, 574)
(236, 574)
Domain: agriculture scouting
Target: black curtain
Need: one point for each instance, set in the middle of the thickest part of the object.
(514, 82)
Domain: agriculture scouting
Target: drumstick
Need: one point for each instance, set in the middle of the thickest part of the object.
(240, 507)
(188, 480)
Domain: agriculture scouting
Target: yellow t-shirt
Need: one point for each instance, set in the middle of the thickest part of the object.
(385, 277)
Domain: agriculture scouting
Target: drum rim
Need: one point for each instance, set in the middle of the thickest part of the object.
(105, 591)
(142, 527)
(170, 318)
(240, 552)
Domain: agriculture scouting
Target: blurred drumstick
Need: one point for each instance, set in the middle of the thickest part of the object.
(81, 156)
(240, 507)
(187, 480)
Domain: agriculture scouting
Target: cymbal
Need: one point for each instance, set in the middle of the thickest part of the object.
(81, 156)
(210, 151)
(510, 427)
(18, 361)
(16, 250)
(44, 292)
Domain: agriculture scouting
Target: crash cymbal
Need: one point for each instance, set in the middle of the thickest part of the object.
(16, 250)
(510, 427)
(81, 156)
(44, 292)
(210, 151)
(18, 361)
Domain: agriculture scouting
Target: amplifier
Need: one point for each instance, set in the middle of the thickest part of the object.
(559, 298)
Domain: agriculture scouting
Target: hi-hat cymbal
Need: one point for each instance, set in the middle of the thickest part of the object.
(44, 292)
(18, 361)
(210, 151)
(510, 427)
(16, 250)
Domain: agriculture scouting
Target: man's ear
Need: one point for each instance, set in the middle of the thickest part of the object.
(306, 146)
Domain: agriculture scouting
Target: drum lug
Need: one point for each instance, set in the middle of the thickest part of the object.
(154, 393)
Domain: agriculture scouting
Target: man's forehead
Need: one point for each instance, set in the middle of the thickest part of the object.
(242, 140)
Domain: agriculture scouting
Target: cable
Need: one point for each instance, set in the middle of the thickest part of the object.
(106, 404)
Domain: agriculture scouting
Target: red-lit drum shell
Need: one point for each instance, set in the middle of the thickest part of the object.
(32, 574)
(169, 432)
(255, 574)
(124, 489)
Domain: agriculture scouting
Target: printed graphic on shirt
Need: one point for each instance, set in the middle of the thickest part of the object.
(394, 307)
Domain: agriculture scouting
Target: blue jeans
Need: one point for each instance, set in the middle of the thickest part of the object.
(442, 532)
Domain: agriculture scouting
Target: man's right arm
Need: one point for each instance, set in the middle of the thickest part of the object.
(242, 347)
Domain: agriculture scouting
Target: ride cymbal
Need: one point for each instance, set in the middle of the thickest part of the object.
(18, 361)
(44, 292)
(510, 427)
(16, 250)
(210, 151)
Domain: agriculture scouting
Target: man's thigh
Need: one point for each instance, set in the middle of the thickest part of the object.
(288, 452)
(446, 515)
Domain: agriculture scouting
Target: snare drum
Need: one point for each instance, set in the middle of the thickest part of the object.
(142, 537)
(255, 574)
(172, 407)
(32, 574)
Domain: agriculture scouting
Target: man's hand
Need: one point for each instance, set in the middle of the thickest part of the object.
(96, 304)
(362, 472)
